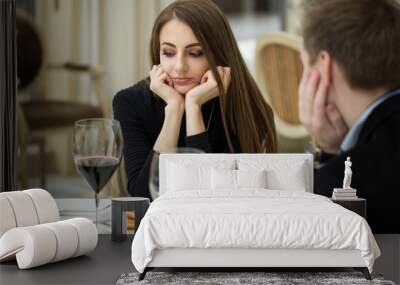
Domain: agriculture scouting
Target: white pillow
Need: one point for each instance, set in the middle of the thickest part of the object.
(223, 179)
(235, 179)
(251, 178)
(282, 174)
(181, 177)
(192, 174)
(293, 180)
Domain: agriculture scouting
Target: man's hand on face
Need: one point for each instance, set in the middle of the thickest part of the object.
(322, 120)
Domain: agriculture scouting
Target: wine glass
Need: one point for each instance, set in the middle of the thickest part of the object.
(154, 176)
(97, 151)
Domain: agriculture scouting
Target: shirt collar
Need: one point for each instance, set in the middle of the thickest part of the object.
(353, 134)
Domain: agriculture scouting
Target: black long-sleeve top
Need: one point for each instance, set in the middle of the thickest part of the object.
(141, 115)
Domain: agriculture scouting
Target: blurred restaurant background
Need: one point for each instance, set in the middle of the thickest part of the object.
(74, 55)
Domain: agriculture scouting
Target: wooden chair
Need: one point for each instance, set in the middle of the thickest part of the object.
(278, 72)
(39, 118)
(36, 118)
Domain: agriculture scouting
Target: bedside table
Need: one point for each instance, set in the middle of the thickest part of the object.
(358, 205)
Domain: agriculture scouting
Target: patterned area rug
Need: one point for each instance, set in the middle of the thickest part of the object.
(242, 278)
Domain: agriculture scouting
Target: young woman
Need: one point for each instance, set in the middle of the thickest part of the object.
(199, 94)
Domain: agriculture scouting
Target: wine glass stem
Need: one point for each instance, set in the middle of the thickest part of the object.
(96, 198)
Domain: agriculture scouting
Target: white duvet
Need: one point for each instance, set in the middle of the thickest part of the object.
(253, 218)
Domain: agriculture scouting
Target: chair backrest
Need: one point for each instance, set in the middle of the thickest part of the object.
(96, 73)
(289, 171)
(278, 72)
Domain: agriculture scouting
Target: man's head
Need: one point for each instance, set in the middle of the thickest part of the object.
(362, 37)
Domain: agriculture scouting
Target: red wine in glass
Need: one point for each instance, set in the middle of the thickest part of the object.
(97, 151)
(97, 170)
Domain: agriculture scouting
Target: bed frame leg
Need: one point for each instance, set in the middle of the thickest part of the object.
(364, 271)
(143, 274)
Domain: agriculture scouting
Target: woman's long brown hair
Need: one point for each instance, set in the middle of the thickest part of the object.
(244, 111)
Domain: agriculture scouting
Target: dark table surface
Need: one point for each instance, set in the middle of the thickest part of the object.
(104, 265)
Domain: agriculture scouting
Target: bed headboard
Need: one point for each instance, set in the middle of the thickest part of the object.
(284, 168)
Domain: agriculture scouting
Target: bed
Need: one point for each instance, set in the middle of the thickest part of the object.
(246, 211)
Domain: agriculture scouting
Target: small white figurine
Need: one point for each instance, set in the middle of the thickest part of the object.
(347, 174)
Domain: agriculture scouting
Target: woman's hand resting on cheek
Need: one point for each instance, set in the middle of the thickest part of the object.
(162, 85)
(208, 88)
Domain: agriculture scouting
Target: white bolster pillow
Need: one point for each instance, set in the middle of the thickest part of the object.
(7, 219)
(45, 205)
(87, 235)
(24, 211)
(26, 208)
(40, 244)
